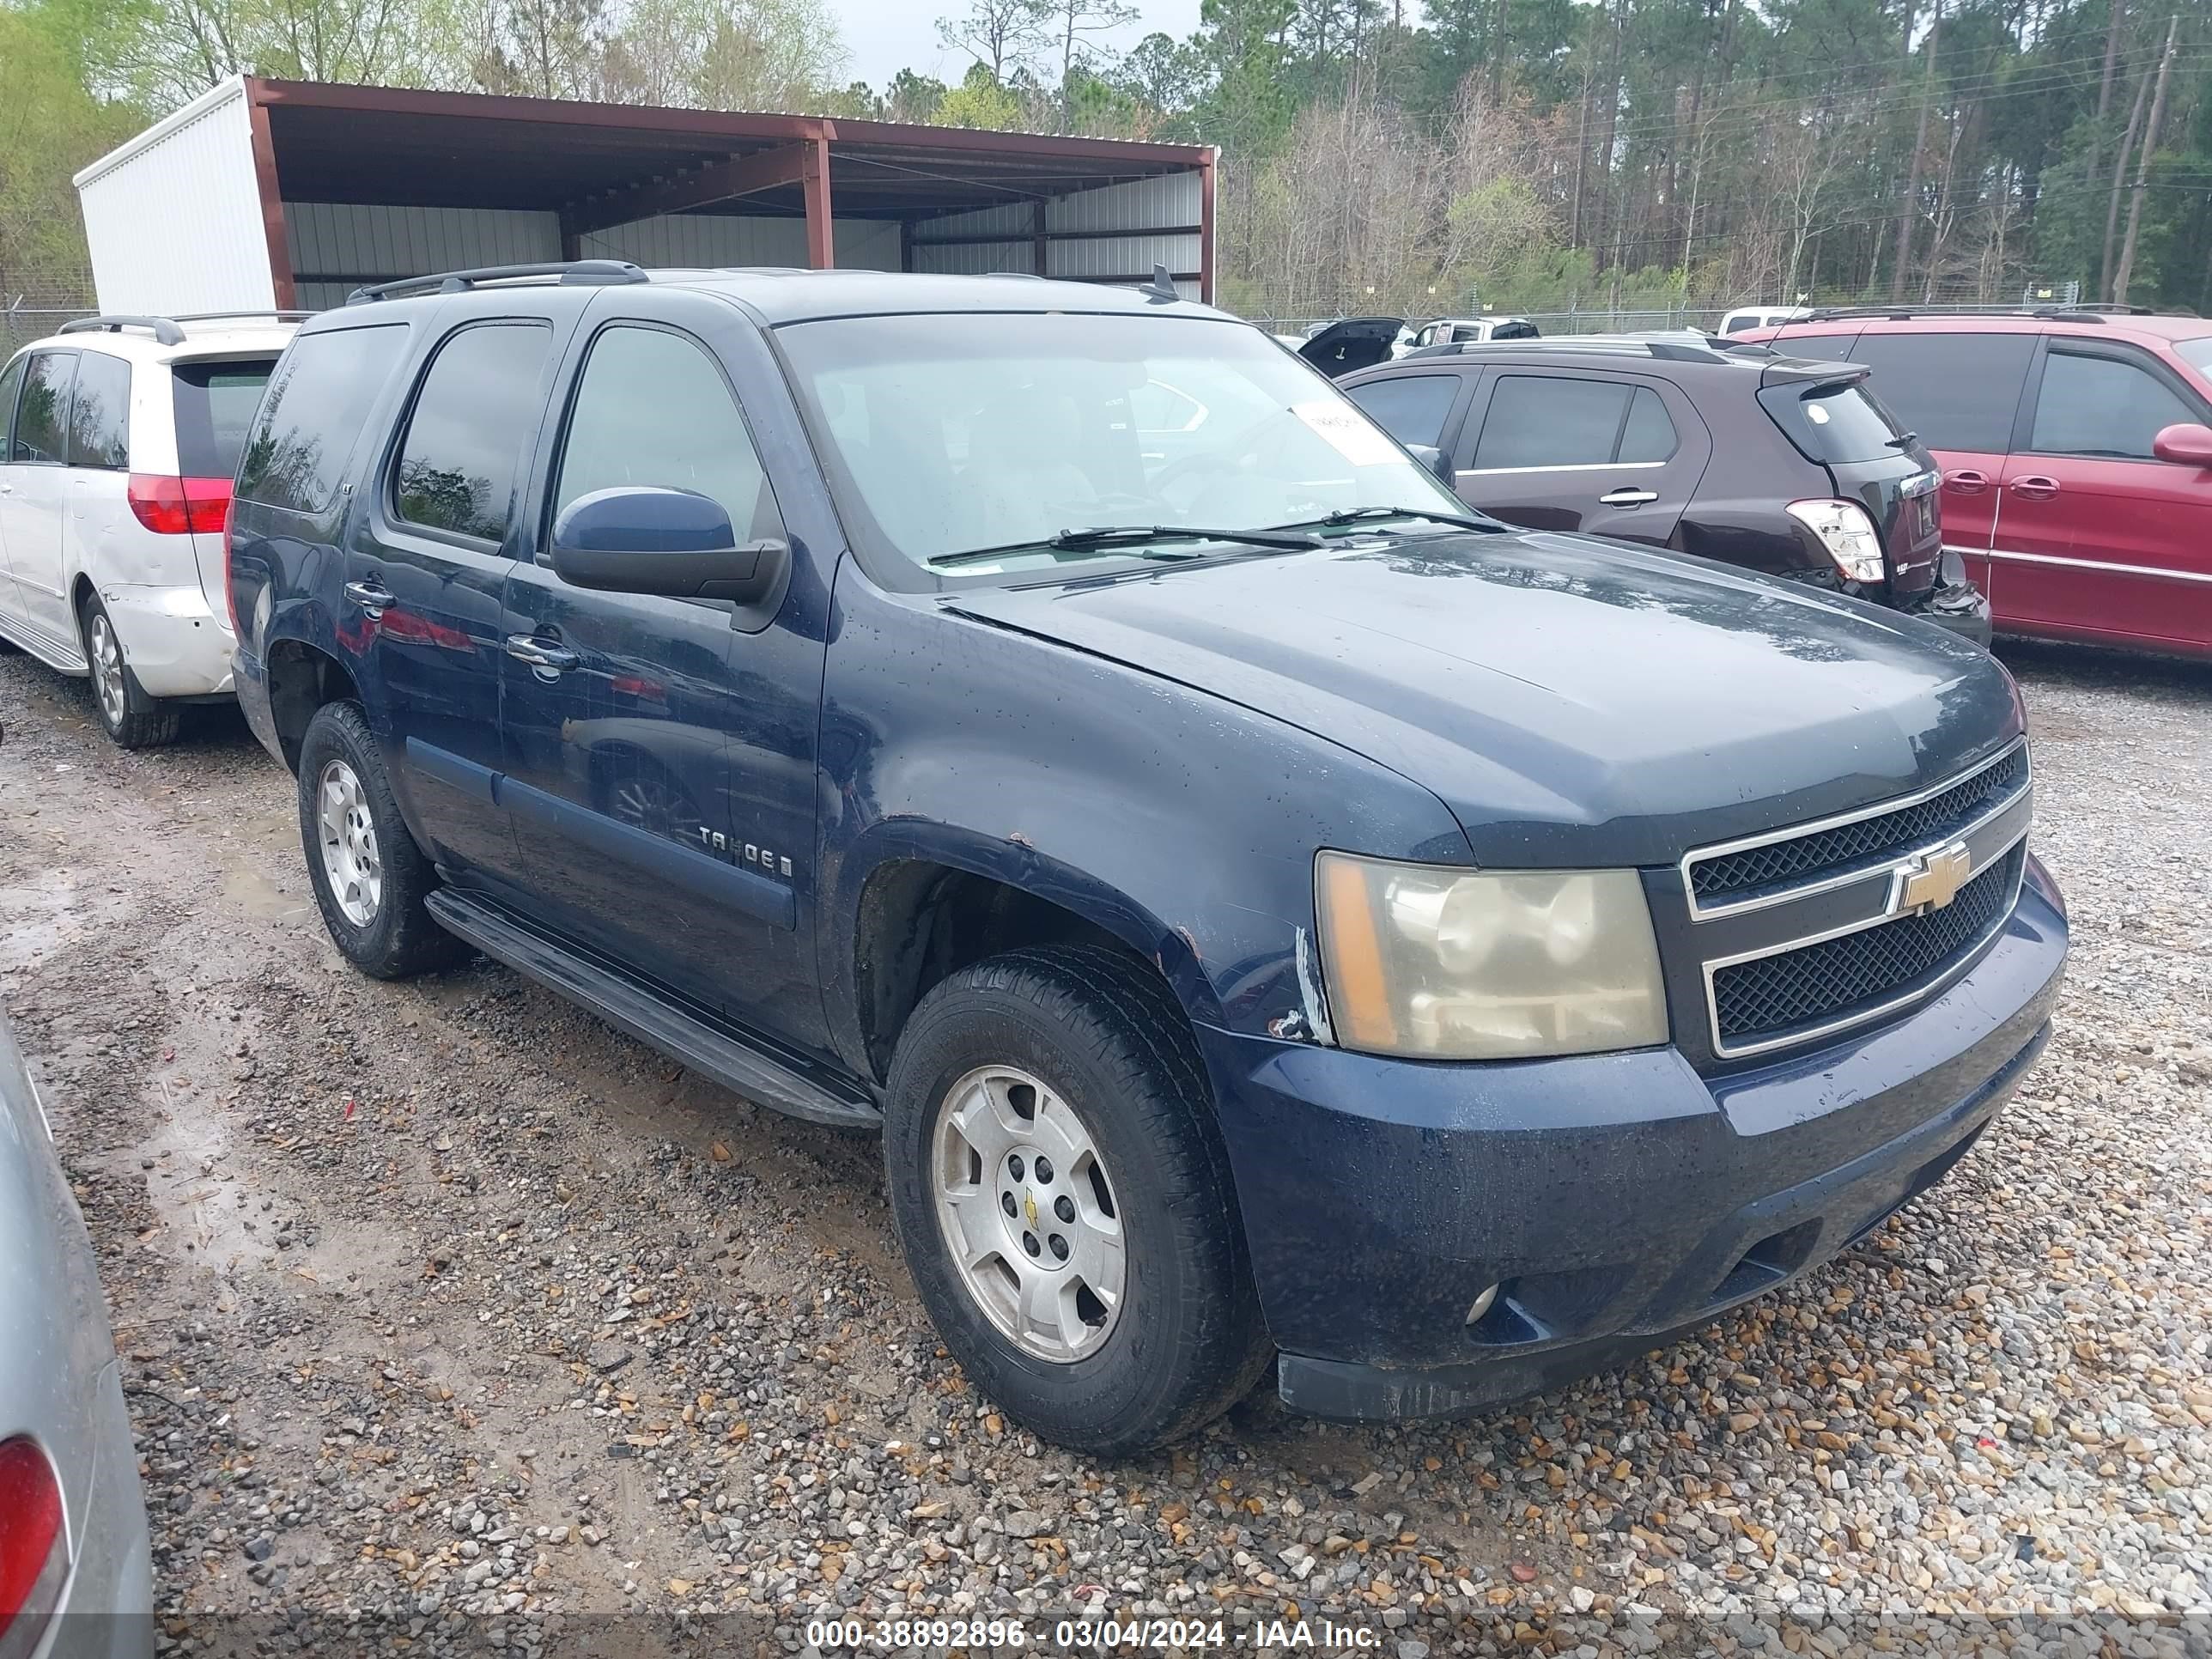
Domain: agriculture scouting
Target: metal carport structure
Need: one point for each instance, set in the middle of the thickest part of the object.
(292, 194)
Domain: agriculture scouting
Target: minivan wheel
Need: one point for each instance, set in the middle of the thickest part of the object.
(369, 877)
(130, 718)
(1064, 1203)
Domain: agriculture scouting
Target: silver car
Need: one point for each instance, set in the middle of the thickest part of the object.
(76, 1575)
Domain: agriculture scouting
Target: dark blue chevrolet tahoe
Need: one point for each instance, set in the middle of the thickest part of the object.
(1273, 917)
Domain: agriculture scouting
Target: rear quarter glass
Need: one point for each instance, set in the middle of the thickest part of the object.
(312, 412)
(215, 405)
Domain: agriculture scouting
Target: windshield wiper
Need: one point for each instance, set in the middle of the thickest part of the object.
(1361, 514)
(1903, 441)
(1120, 535)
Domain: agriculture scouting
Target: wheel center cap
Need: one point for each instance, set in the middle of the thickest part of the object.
(1030, 1208)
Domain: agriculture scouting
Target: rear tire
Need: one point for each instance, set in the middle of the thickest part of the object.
(370, 878)
(1141, 1207)
(130, 718)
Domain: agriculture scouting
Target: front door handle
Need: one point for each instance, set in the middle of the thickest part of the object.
(1967, 482)
(543, 654)
(2035, 487)
(1625, 496)
(371, 595)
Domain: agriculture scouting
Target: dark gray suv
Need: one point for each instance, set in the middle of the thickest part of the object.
(1782, 465)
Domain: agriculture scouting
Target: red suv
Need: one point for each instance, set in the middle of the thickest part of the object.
(2076, 449)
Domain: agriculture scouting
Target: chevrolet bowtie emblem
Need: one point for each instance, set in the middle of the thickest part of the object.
(1030, 1208)
(1932, 880)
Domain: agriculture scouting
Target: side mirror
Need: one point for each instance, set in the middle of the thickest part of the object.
(1433, 459)
(2184, 443)
(676, 543)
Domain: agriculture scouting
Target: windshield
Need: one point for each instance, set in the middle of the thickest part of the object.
(946, 435)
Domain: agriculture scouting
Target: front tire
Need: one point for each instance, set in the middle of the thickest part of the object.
(130, 718)
(1064, 1203)
(369, 877)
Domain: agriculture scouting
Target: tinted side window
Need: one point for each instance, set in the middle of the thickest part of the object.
(42, 416)
(654, 408)
(1411, 407)
(464, 442)
(1515, 331)
(99, 415)
(1650, 435)
(1539, 420)
(2094, 405)
(215, 403)
(312, 412)
(11, 383)
(1956, 391)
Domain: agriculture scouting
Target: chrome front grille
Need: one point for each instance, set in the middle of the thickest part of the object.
(1808, 931)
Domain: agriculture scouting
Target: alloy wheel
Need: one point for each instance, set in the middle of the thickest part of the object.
(348, 834)
(1028, 1213)
(108, 670)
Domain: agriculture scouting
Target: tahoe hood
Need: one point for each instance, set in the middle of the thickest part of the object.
(1573, 701)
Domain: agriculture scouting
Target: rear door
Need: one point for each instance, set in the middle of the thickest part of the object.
(34, 501)
(2096, 537)
(659, 753)
(425, 570)
(11, 385)
(1571, 449)
(100, 532)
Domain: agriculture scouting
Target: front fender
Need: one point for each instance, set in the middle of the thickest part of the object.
(1184, 824)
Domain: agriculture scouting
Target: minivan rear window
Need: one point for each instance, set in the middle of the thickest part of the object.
(317, 399)
(1836, 423)
(215, 403)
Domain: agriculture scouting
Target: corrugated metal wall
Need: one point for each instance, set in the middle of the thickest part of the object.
(713, 240)
(174, 223)
(1145, 207)
(338, 246)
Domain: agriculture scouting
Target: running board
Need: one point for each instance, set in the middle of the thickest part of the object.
(708, 1045)
(51, 649)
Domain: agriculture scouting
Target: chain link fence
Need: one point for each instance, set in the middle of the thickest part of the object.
(19, 324)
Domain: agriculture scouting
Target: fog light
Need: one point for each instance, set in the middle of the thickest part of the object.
(1482, 1304)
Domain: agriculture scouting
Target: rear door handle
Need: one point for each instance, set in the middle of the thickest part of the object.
(1625, 496)
(2035, 487)
(371, 595)
(541, 654)
(1968, 482)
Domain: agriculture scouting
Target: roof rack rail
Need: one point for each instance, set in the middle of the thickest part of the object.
(1679, 349)
(163, 328)
(228, 316)
(604, 272)
(2083, 313)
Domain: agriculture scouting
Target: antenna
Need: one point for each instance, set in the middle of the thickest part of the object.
(1161, 290)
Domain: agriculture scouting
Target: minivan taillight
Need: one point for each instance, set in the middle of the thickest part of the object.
(172, 507)
(229, 580)
(34, 1553)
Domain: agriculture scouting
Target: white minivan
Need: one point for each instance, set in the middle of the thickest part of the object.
(1750, 317)
(118, 440)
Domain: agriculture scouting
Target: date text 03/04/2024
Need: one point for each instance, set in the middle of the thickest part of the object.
(1069, 1635)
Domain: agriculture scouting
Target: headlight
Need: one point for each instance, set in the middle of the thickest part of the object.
(1844, 530)
(1434, 962)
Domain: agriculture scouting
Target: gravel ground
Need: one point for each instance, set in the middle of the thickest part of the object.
(447, 1310)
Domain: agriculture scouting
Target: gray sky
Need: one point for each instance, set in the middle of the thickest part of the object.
(885, 36)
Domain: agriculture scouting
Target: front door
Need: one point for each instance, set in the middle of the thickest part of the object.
(1564, 450)
(424, 571)
(659, 753)
(2096, 537)
(34, 501)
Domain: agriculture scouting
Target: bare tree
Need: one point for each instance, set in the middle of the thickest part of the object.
(1002, 35)
(2143, 167)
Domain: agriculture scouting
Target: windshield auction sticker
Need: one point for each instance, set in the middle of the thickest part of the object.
(1348, 432)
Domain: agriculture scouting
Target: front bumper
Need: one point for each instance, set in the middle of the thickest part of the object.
(176, 646)
(1615, 1199)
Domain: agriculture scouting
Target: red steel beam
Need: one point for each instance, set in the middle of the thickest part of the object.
(283, 291)
(821, 227)
(717, 181)
(1206, 227)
